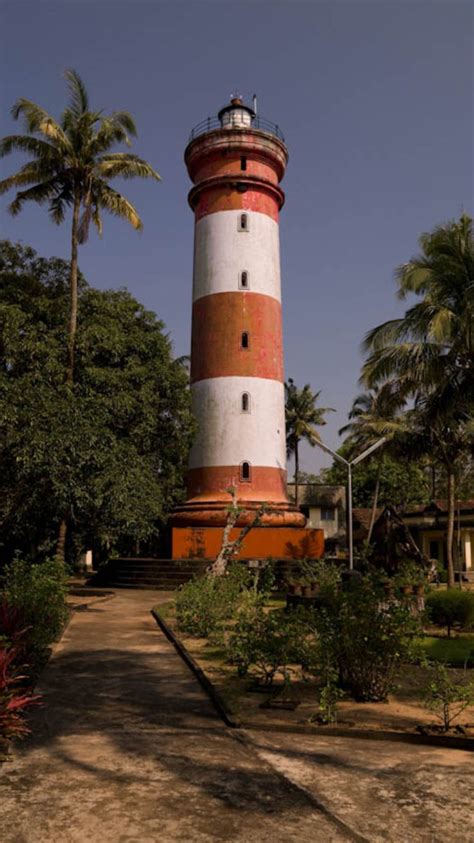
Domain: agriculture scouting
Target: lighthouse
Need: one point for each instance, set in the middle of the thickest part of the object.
(236, 162)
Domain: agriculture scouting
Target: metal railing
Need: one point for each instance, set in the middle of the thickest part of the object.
(259, 123)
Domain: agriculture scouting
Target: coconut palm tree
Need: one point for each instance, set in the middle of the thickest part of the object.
(71, 164)
(429, 352)
(373, 414)
(70, 167)
(302, 416)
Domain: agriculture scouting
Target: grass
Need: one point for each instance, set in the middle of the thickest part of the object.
(452, 651)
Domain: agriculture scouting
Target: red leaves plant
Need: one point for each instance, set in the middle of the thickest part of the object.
(13, 699)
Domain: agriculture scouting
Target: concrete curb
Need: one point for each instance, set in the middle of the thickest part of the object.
(203, 680)
(466, 744)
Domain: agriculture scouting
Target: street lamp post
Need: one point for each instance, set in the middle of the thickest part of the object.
(349, 464)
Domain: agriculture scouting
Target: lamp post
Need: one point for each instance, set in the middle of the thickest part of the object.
(350, 464)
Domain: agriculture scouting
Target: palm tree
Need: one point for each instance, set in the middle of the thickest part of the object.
(301, 418)
(70, 167)
(373, 414)
(429, 352)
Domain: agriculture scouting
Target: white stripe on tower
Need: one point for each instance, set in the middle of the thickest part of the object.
(232, 434)
(222, 252)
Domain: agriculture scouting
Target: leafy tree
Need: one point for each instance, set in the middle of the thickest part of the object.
(400, 482)
(429, 352)
(71, 166)
(302, 416)
(111, 456)
(373, 415)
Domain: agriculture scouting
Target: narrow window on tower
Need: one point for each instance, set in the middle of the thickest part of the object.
(245, 474)
(243, 163)
(245, 340)
(244, 280)
(243, 222)
(245, 402)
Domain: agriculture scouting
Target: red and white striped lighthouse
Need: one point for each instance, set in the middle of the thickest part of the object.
(236, 163)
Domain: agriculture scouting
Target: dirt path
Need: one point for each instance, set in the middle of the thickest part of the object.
(128, 749)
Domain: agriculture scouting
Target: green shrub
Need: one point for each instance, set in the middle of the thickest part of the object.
(445, 697)
(362, 638)
(450, 608)
(265, 643)
(38, 593)
(206, 601)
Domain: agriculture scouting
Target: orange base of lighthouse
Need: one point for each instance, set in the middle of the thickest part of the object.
(283, 543)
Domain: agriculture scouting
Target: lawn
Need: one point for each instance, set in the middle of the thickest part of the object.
(453, 651)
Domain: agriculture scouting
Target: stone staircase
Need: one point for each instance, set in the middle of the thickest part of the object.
(150, 573)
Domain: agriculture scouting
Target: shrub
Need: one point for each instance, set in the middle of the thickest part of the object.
(268, 642)
(446, 698)
(450, 608)
(206, 601)
(362, 638)
(37, 593)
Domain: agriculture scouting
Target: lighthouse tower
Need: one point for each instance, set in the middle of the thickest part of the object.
(236, 163)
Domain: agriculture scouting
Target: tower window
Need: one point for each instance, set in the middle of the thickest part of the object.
(243, 163)
(244, 280)
(245, 340)
(245, 472)
(245, 402)
(243, 222)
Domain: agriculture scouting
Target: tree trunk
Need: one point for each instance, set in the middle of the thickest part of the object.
(61, 546)
(450, 529)
(433, 481)
(374, 503)
(297, 472)
(73, 293)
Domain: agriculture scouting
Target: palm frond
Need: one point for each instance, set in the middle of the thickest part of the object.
(32, 114)
(78, 98)
(96, 219)
(33, 171)
(126, 166)
(25, 143)
(40, 193)
(112, 201)
(126, 121)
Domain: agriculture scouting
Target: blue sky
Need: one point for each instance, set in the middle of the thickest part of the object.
(374, 99)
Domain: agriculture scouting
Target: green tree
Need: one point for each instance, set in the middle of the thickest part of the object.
(373, 415)
(429, 352)
(112, 456)
(400, 483)
(302, 416)
(71, 166)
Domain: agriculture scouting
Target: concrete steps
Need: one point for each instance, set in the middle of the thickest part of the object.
(148, 573)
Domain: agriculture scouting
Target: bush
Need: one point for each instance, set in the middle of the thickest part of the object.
(450, 608)
(37, 594)
(268, 642)
(446, 698)
(362, 638)
(206, 601)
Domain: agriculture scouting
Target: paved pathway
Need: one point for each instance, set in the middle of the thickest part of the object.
(128, 749)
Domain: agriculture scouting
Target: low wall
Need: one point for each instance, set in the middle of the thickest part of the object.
(286, 543)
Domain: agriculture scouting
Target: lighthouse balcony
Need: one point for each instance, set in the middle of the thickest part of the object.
(235, 121)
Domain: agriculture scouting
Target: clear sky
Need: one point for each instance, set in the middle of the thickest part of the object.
(374, 99)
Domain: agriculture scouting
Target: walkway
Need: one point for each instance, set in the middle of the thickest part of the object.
(128, 749)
